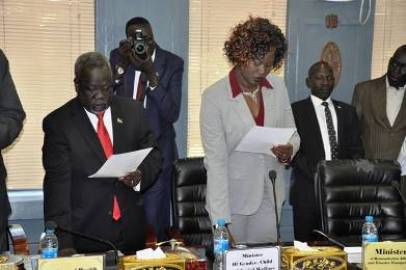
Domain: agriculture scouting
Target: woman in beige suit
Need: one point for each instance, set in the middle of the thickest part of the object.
(238, 187)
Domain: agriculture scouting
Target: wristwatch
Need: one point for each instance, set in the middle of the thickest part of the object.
(152, 88)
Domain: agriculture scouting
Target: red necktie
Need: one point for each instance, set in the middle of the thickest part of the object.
(105, 141)
(141, 87)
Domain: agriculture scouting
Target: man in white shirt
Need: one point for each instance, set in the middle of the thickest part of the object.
(145, 72)
(381, 109)
(328, 130)
(402, 161)
(79, 137)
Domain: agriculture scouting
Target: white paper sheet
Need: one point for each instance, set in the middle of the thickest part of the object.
(262, 139)
(354, 254)
(303, 246)
(120, 165)
(149, 254)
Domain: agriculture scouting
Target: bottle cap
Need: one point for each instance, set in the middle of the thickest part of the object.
(221, 222)
(369, 218)
(49, 230)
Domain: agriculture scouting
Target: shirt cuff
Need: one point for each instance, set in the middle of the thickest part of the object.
(151, 88)
(137, 187)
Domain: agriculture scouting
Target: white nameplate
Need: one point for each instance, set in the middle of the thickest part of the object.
(385, 256)
(265, 258)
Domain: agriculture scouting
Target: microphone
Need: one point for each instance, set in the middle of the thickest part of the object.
(334, 241)
(111, 256)
(272, 177)
(396, 186)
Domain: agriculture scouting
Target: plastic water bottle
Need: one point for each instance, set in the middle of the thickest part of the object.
(221, 244)
(48, 244)
(369, 231)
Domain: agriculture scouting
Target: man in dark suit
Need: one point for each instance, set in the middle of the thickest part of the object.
(328, 129)
(381, 109)
(153, 76)
(79, 137)
(11, 122)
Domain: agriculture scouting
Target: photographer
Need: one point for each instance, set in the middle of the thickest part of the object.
(145, 72)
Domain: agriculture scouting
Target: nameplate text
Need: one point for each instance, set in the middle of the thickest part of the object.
(385, 256)
(72, 263)
(266, 258)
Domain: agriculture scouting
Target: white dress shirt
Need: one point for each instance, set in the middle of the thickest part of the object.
(402, 158)
(106, 119)
(321, 118)
(109, 126)
(137, 79)
(394, 98)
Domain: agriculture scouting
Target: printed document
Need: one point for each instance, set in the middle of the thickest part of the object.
(120, 165)
(262, 139)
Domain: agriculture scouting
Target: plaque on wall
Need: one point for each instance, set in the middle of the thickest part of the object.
(331, 54)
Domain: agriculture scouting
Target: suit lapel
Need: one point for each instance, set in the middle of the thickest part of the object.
(240, 107)
(86, 129)
(118, 127)
(340, 123)
(400, 120)
(310, 117)
(159, 61)
(379, 103)
(129, 81)
(159, 64)
(269, 107)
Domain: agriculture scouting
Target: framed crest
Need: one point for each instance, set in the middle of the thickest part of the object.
(331, 54)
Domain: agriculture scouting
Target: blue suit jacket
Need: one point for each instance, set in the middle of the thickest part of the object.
(163, 103)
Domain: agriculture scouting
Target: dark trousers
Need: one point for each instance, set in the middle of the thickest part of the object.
(306, 213)
(157, 202)
(403, 185)
(3, 240)
(306, 218)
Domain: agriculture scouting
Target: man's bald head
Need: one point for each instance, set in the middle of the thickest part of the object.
(397, 68)
(317, 66)
(320, 80)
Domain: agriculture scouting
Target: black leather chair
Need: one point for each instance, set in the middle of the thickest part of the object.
(190, 217)
(349, 190)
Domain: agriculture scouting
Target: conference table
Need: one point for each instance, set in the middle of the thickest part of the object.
(205, 262)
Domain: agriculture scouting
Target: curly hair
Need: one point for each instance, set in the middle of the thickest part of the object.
(253, 39)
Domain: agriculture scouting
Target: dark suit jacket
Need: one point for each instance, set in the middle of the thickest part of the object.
(72, 152)
(163, 103)
(380, 139)
(311, 149)
(11, 122)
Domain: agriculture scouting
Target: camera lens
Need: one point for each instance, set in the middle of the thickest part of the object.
(139, 47)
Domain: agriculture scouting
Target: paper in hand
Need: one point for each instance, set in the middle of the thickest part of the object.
(262, 139)
(120, 165)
